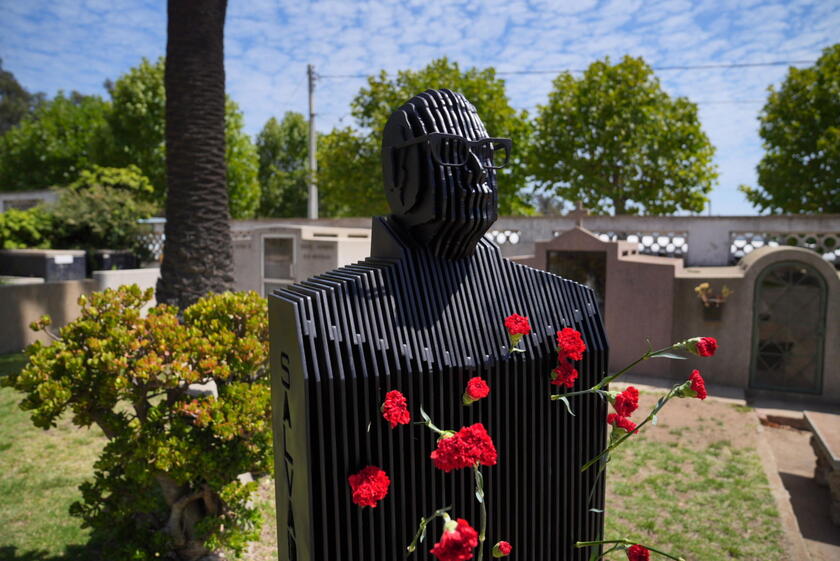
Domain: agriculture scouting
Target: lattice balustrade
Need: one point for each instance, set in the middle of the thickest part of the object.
(826, 244)
(502, 237)
(153, 236)
(664, 244)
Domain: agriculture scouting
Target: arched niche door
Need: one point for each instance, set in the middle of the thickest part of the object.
(788, 329)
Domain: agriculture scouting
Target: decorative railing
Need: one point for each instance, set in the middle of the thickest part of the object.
(502, 237)
(827, 244)
(663, 244)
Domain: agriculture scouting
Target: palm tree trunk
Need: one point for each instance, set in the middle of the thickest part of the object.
(197, 253)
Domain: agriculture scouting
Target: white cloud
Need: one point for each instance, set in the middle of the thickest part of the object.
(52, 45)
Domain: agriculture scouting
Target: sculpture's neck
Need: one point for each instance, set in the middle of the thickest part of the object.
(389, 239)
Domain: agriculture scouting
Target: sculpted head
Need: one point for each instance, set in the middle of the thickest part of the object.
(439, 166)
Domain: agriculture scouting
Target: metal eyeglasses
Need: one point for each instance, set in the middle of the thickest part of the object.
(454, 151)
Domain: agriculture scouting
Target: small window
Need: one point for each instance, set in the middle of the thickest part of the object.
(278, 259)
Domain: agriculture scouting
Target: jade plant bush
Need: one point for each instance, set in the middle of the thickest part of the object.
(185, 405)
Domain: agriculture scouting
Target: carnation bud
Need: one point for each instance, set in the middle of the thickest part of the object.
(502, 549)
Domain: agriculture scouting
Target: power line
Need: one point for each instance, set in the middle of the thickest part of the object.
(656, 68)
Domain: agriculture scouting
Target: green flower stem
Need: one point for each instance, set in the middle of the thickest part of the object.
(479, 492)
(421, 530)
(627, 543)
(659, 405)
(608, 379)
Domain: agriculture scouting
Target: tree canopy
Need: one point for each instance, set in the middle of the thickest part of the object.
(616, 141)
(137, 123)
(282, 149)
(800, 127)
(68, 134)
(52, 145)
(15, 101)
(349, 168)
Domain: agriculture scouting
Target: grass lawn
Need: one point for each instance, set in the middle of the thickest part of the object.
(692, 485)
(41, 472)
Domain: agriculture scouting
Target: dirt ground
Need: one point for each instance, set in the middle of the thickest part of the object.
(795, 459)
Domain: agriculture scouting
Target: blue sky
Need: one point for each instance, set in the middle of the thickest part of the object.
(53, 45)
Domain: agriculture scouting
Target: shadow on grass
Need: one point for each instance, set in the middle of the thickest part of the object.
(71, 553)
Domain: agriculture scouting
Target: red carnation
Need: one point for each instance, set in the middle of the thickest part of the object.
(570, 344)
(698, 385)
(476, 389)
(517, 325)
(621, 422)
(702, 346)
(706, 346)
(464, 449)
(502, 549)
(565, 374)
(627, 401)
(638, 553)
(457, 542)
(394, 409)
(369, 485)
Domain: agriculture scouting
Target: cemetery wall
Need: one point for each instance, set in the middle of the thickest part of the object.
(21, 304)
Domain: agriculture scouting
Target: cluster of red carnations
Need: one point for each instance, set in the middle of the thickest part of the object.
(570, 346)
(471, 446)
(466, 448)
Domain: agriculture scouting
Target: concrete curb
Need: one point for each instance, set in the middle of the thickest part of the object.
(794, 543)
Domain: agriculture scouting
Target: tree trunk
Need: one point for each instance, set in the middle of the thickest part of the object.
(197, 253)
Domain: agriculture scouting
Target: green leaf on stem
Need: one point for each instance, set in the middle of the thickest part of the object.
(425, 416)
(568, 406)
(667, 355)
(479, 485)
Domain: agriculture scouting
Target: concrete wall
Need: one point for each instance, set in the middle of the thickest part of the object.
(731, 364)
(708, 236)
(317, 249)
(639, 296)
(20, 305)
(26, 199)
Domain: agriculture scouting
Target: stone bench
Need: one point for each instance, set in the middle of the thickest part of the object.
(826, 443)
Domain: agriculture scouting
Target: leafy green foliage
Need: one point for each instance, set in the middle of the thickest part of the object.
(21, 229)
(137, 124)
(168, 474)
(349, 168)
(15, 101)
(51, 146)
(100, 210)
(616, 141)
(70, 134)
(282, 148)
(800, 126)
(242, 165)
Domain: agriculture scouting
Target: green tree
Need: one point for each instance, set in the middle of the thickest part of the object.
(137, 123)
(349, 168)
(166, 481)
(52, 145)
(800, 126)
(100, 210)
(15, 101)
(616, 141)
(282, 148)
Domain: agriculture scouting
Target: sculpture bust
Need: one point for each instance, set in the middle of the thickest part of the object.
(423, 315)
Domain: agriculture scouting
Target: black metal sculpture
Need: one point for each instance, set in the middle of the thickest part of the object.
(424, 314)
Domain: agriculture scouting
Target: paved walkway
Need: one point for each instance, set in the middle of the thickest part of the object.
(803, 504)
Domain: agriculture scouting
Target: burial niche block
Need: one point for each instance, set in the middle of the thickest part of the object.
(424, 314)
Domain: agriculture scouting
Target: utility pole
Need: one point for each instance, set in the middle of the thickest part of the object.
(313, 161)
